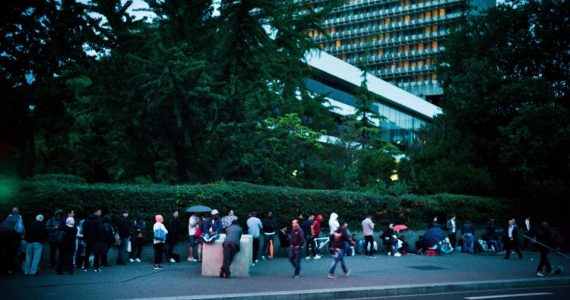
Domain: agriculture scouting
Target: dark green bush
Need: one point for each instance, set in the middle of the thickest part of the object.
(44, 196)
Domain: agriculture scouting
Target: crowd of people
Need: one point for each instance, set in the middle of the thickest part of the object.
(85, 244)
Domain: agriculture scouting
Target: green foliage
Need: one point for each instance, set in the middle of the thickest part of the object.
(506, 101)
(45, 196)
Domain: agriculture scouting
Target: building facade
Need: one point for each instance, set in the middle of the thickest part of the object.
(339, 82)
(396, 40)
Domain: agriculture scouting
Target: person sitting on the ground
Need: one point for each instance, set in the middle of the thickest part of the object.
(420, 245)
(468, 239)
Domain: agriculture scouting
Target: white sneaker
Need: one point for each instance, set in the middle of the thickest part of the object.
(190, 259)
(539, 274)
(131, 260)
(397, 254)
(137, 259)
(317, 257)
(308, 257)
(172, 260)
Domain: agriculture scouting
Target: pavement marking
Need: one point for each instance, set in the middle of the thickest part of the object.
(508, 296)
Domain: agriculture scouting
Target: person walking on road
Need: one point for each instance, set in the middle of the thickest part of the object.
(94, 241)
(193, 235)
(254, 227)
(315, 232)
(309, 239)
(543, 237)
(339, 239)
(55, 229)
(368, 232)
(512, 240)
(137, 241)
(160, 233)
(230, 246)
(296, 243)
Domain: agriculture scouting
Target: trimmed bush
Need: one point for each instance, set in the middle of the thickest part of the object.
(44, 196)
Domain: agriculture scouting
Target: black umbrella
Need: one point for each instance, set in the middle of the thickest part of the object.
(433, 236)
(198, 209)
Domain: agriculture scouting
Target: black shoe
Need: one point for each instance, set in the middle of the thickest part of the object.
(222, 274)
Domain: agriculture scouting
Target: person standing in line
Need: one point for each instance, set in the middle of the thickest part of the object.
(309, 240)
(137, 241)
(387, 238)
(468, 231)
(368, 232)
(67, 247)
(35, 237)
(125, 229)
(254, 227)
(333, 224)
(193, 233)
(160, 233)
(512, 239)
(296, 243)
(94, 240)
(545, 239)
(339, 239)
(11, 233)
(173, 226)
(54, 228)
(452, 231)
(79, 245)
(434, 222)
(269, 228)
(528, 233)
(109, 240)
(316, 231)
(230, 246)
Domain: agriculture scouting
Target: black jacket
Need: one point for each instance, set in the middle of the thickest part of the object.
(125, 228)
(68, 241)
(93, 229)
(37, 233)
(173, 226)
(269, 225)
(306, 225)
(544, 237)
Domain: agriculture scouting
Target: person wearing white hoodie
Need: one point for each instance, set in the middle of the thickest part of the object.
(333, 225)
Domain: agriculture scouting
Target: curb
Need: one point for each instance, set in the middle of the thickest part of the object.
(383, 291)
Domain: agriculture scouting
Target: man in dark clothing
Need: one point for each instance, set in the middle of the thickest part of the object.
(67, 247)
(230, 247)
(35, 237)
(54, 227)
(338, 240)
(512, 239)
(387, 238)
(173, 226)
(306, 226)
(94, 241)
(269, 227)
(125, 231)
(544, 237)
(296, 243)
(11, 233)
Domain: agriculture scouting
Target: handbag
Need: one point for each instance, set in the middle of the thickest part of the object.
(159, 235)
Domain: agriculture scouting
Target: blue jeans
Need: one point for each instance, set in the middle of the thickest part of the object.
(121, 256)
(295, 259)
(338, 257)
(468, 242)
(33, 256)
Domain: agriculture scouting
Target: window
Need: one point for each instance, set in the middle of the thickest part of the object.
(406, 64)
(434, 27)
(420, 64)
(434, 44)
(428, 30)
(407, 48)
(442, 12)
(380, 51)
(433, 76)
(337, 43)
(428, 14)
(420, 46)
(407, 18)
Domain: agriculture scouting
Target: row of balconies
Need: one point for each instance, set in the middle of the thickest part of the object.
(388, 28)
(409, 52)
(396, 41)
(396, 72)
(386, 13)
(417, 83)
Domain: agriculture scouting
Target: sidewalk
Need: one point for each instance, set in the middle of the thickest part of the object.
(370, 277)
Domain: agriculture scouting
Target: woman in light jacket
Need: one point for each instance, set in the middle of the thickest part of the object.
(160, 233)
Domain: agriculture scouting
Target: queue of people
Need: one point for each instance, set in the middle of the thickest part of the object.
(85, 244)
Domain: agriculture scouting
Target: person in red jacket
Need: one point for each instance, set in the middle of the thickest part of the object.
(316, 231)
(338, 240)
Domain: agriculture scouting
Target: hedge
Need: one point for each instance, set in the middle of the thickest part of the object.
(44, 196)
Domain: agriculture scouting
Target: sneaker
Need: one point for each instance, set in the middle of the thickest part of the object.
(157, 267)
(317, 257)
(137, 259)
(190, 259)
(330, 276)
(253, 264)
(308, 257)
(347, 273)
(296, 276)
(539, 274)
(372, 256)
(256, 261)
(397, 254)
(172, 260)
(131, 260)
(262, 257)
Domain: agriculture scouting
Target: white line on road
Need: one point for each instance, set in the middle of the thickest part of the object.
(507, 296)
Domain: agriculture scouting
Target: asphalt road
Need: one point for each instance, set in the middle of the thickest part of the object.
(549, 293)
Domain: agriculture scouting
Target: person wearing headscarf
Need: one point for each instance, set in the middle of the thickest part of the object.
(160, 233)
(67, 247)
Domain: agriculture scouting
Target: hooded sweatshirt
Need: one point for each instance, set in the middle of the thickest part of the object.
(317, 226)
(54, 225)
(333, 223)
